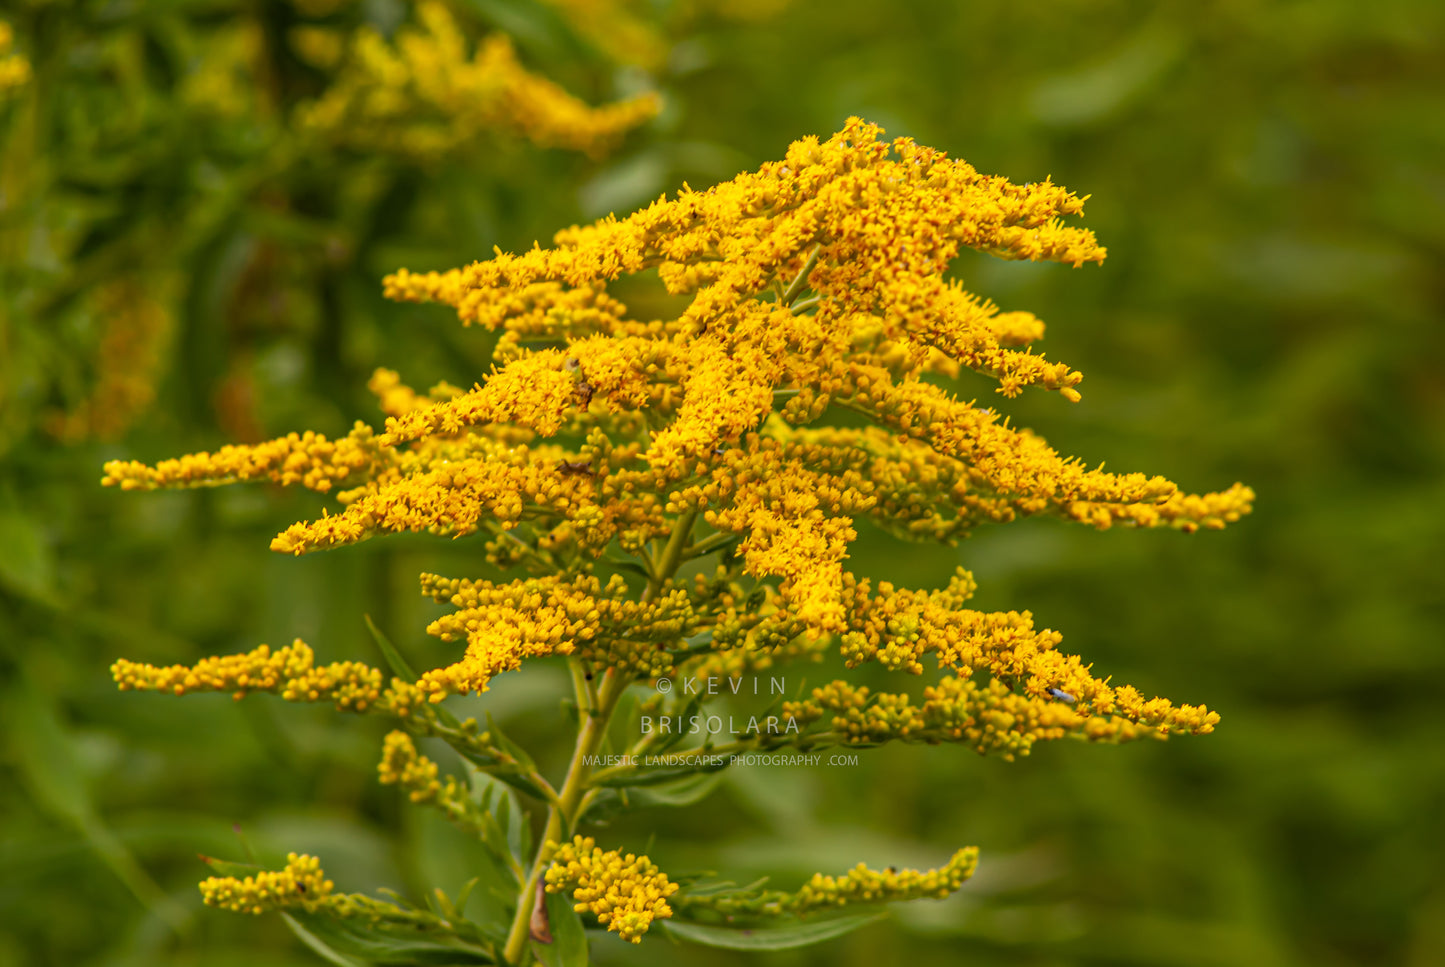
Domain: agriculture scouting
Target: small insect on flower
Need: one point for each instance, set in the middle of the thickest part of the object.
(583, 391)
(570, 467)
(1062, 695)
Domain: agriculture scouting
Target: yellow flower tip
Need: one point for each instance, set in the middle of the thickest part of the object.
(625, 892)
(301, 885)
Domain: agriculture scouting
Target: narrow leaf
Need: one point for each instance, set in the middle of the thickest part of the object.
(317, 945)
(768, 938)
(399, 665)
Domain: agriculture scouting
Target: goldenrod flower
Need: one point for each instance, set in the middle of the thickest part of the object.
(300, 885)
(858, 885)
(816, 281)
(289, 672)
(603, 451)
(626, 893)
(402, 765)
(862, 885)
(309, 459)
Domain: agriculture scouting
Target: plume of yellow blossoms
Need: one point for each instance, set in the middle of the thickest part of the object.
(859, 885)
(14, 68)
(816, 282)
(424, 95)
(603, 452)
(290, 672)
(626, 893)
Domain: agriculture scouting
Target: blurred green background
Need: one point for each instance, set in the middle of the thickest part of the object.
(1268, 178)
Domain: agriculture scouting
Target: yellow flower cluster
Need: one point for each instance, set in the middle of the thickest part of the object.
(862, 885)
(402, 765)
(858, 885)
(814, 284)
(300, 885)
(869, 234)
(990, 720)
(396, 398)
(309, 459)
(505, 623)
(896, 627)
(14, 68)
(425, 96)
(290, 672)
(625, 892)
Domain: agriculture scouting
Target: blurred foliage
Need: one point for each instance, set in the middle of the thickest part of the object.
(1268, 180)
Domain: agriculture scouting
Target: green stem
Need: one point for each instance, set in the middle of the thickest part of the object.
(563, 814)
(671, 555)
(560, 815)
(805, 304)
(709, 544)
(800, 281)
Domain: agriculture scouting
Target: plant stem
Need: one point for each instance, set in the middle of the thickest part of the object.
(562, 815)
(559, 816)
(800, 281)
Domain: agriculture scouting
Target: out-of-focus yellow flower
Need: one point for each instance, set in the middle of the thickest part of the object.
(224, 82)
(618, 28)
(136, 326)
(14, 68)
(626, 893)
(424, 95)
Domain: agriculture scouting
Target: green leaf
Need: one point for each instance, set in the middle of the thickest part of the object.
(399, 665)
(27, 566)
(227, 868)
(659, 775)
(522, 783)
(500, 740)
(318, 945)
(387, 943)
(517, 774)
(46, 754)
(717, 887)
(620, 733)
(569, 942)
(499, 807)
(679, 792)
(465, 893)
(768, 938)
(688, 711)
(627, 564)
(402, 669)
